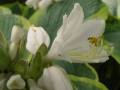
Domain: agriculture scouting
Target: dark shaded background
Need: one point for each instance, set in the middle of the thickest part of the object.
(109, 72)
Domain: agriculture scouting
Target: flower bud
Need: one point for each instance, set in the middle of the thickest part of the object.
(44, 4)
(13, 50)
(54, 78)
(16, 34)
(36, 37)
(32, 85)
(32, 3)
(16, 82)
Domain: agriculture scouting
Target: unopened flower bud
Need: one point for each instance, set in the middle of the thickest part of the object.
(36, 37)
(16, 34)
(16, 82)
(54, 78)
(44, 4)
(32, 3)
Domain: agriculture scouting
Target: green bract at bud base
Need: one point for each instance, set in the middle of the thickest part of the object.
(32, 69)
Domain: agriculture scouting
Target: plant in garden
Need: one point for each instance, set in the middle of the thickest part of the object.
(50, 49)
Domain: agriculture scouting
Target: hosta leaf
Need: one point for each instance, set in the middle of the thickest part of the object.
(4, 10)
(82, 83)
(112, 34)
(81, 70)
(7, 22)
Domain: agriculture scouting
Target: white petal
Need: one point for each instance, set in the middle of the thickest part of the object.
(44, 36)
(32, 3)
(94, 55)
(54, 78)
(16, 34)
(91, 28)
(16, 82)
(75, 19)
(44, 4)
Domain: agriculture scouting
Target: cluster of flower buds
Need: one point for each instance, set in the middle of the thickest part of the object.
(53, 78)
(16, 36)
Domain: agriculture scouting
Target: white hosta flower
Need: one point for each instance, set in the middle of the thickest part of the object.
(36, 37)
(44, 4)
(16, 82)
(13, 50)
(33, 3)
(32, 85)
(54, 78)
(16, 34)
(78, 40)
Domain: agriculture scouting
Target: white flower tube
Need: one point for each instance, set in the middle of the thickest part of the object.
(44, 4)
(35, 38)
(33, 3)
(16, 34)
(16, 82)
(54, 78)
(78, 40)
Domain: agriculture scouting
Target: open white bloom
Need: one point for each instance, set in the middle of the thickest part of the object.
(16, 34)
(33, 3)
(78, 40)
(16, 82)
(36, 37)
(13, 50)
(44, 4)
(54, 78)
(32, 85)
